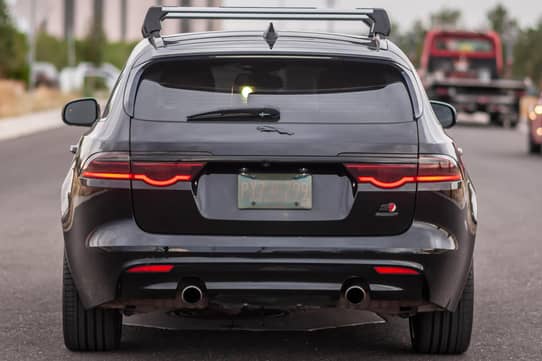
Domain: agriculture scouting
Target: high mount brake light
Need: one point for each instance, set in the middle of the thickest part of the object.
(158, 174)
(430, 169)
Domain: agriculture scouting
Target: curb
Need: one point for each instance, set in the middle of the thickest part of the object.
(15, 127)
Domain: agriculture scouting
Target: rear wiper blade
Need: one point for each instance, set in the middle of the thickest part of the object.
(266, 114)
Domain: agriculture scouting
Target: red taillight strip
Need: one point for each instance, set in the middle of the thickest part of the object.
(395, 270)
(100, 175)
(438, 178)
(142, 170)
(430, 169)
(387, 185)
(153, 172)
(405, 180)
(151, 268)
(162, 183)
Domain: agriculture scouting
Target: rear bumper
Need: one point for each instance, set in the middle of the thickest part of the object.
(271, 271)
(494, 104)
(230, 284)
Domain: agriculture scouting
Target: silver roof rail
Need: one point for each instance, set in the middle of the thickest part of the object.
(377, 19)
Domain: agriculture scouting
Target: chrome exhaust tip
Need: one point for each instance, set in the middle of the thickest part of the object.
(355, 294)
(191, 295)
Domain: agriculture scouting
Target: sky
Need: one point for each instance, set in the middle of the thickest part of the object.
(405, 12)
(402, 12)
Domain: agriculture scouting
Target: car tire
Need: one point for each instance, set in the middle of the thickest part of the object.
(534, 148)
(87, 329)
(495, 120)
(444, 332)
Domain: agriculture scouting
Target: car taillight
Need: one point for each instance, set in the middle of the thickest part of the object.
(430, 168)
(163, 174)
(108, 166)
(442, 91)
(395, 270)
(158, 174)
(151, 268)
(437, 168)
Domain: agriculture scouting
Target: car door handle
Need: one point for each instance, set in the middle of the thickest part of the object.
(74, 148)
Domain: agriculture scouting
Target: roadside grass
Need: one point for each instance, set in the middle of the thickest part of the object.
(15, 100)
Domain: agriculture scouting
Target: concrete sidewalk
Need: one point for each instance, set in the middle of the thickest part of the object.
(29, 123)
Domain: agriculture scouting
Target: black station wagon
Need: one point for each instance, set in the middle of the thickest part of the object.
(271, 170)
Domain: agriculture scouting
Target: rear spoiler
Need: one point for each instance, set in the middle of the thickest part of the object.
(377, 19)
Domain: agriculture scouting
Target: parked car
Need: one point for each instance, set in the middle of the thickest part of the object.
(233, 171)
(73, 78)
(535, 128)
(44, 74)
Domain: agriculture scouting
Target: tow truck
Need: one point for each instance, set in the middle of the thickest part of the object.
(466, 69)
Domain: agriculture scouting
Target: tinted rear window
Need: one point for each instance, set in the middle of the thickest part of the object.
(302, 90)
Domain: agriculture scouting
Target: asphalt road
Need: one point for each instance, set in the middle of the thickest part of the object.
(508, 269)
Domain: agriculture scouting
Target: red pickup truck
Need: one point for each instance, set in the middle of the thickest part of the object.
(465, 69)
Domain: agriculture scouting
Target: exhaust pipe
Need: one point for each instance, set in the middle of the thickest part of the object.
(191, 295)
(355, 294)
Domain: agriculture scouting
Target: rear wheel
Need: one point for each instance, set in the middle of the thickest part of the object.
(87, 330)
(534, 148)
(495, 120)
(445, 332)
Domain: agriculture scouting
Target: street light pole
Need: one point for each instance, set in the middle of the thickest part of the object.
(69, 13)
(123, 19)
(510, 38)
(32, 40)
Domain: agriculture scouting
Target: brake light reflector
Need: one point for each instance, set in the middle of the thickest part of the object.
(151, 268)
(430, 168)
(395, 270)
(159, 174)
(438, 168)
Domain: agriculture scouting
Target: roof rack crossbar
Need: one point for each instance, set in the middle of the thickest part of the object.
(377, 19)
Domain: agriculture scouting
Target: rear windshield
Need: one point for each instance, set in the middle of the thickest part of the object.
(300, 90)
(464, 45)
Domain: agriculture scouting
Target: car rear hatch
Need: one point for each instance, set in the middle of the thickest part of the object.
(254, 146)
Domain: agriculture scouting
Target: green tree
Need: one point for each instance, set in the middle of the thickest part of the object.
(411, 41)
(92, 47)
(117, 53)
(51, 49)
(528, 54)
(502, 23)
(13, 48)
(446, 17)
(499, 19)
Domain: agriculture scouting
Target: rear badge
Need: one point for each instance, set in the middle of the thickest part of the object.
(387, 210)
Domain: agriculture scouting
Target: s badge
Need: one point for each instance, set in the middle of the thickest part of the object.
(387, 210)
